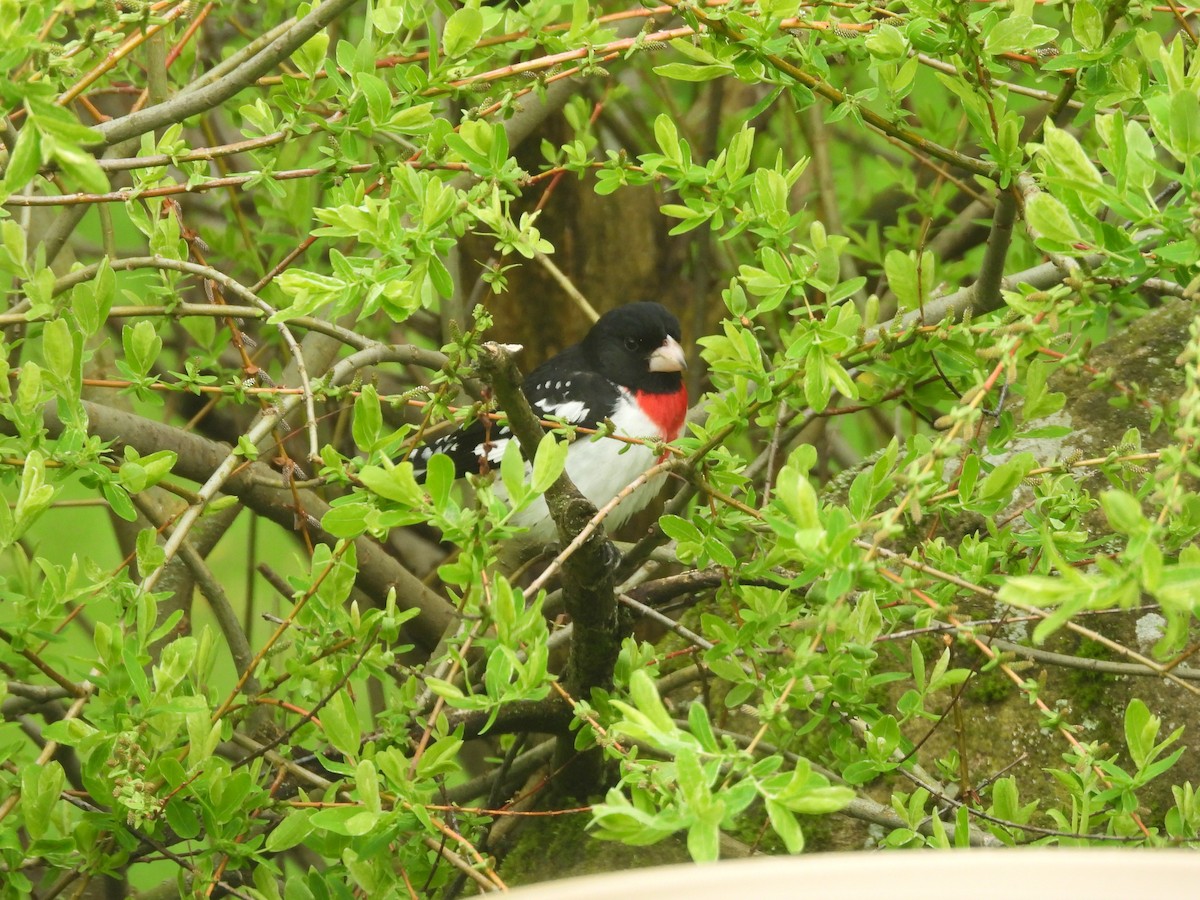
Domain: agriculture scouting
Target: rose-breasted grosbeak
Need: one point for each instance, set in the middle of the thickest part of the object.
(627, 370)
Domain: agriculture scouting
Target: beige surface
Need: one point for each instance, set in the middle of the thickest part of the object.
(903, 875)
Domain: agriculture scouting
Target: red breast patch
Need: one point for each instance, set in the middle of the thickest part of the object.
(667, 411)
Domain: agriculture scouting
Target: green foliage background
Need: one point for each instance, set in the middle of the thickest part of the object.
(938, 262)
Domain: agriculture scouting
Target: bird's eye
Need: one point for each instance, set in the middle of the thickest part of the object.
(631, 343)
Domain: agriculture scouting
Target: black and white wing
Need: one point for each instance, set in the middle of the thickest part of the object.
(571, 396)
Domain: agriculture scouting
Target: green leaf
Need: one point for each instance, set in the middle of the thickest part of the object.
(368, 419)
(737, 160)
(905, 75)
(366, 780)
(26, 158)
(1185, 123)
(379, 98)
(696, 52)
(797, 495)
(72, 732)
(967, 477)
(92, 300)
(60, 122)
(667, 137)
(548, 462)
(246, 447)
(704, 839)
(58, 348)
(393, 483)
(917, 659)
(334, 574)
(1004, 479)
(182, 818)
(817, 389)
(943, 676)
(462, 32)
(886, 42)
(133, 666)
(416, 119)
(910, 286)
(1009, 34)
(504, 607)
(1141, 730)
(1069, 158)
(447, 690)
(785, 825)
(1025, 591)
(347, 520)
(309, 291)
(140, 472)
(439, 480)
(339, 719)
(388, 16)
(819, 801)
(142, 345)
(512, 473)
(172, 771)
(618, 819)
(685, 72)
(79, 165)
(701, 728)
(440, 758)
(691, 779)
(1124, 512)
(118, 501)
(1179, 253)
(680, 530)
(294, 828)
(150, 555)
(13, 247)
(1070, 592)
(1051, 222)
(34, 496)
(1040, 402)
(839, 379)
(645, 698)
(1179, 587)
(349, 821)
(310, 57)
(40, 788)
(1087, 25)
(862, 771)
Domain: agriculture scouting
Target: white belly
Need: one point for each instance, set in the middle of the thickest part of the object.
(600, 476)
(601, 472)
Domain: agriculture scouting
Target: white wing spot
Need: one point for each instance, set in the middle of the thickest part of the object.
(494, 452)
(571, 410)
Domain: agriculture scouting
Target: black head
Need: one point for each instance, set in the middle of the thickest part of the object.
(637, 346)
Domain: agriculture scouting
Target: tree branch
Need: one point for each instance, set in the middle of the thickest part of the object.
(986, 289)
(185, 105)
(588, 576)
(262, 490)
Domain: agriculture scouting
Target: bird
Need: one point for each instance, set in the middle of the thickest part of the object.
(628, 370)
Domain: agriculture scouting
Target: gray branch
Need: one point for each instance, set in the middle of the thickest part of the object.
(191, 103)
(262, 490)
(588, 576)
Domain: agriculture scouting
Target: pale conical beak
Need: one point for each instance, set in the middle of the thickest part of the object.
(669, 357)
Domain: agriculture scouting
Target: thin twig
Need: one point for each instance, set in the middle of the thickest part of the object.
(568, 286)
